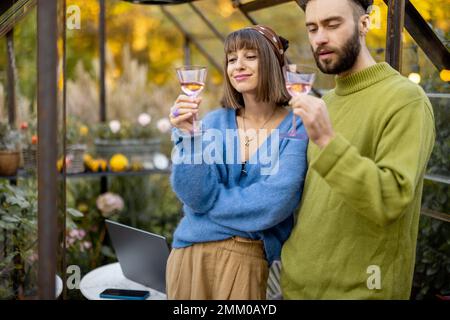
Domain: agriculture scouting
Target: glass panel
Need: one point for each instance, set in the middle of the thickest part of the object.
(18, 200)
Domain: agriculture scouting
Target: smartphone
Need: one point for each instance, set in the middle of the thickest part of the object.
(125, 294)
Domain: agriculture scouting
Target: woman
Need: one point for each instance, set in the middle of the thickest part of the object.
(236, 214)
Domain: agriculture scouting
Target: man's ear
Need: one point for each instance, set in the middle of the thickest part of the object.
(364, 24)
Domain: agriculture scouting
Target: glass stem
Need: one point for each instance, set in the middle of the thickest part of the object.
(294, 124)
(195, 124)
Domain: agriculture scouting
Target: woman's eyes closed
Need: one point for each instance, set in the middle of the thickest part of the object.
(248, 56)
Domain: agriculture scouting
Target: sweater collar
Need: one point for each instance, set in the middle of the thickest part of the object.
(363, 79)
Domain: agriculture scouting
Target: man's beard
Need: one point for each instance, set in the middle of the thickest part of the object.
(346, 56)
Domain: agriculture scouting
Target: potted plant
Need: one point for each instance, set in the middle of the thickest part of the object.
(9, 150)
(18, 224)
(137, 141)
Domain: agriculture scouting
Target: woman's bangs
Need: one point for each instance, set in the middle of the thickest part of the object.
(241, 39)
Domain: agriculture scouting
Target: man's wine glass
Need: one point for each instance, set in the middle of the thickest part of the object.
(299, 80)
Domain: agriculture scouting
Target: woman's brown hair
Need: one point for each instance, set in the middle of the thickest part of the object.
(271, 87)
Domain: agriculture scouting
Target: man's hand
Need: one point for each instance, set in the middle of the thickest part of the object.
(316, 120)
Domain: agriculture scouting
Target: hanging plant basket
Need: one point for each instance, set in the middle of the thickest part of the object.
(9, 162)
(136, 150)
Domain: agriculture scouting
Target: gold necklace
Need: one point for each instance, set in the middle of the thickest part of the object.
(246, 138)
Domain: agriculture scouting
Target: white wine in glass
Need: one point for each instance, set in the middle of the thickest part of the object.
(192, 88)
(192, 80)
(299, 80)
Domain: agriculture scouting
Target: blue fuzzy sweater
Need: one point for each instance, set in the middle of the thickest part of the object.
(223, 198)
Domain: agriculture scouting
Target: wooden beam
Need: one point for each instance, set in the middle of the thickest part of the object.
(192, 39)
(207, 22)
(425, 37)
(12, 14)
(102, 79)
(47, 56)
(102, 53)
(187, 51)
(260, 4)
(11, 83)
(436, 215)
(394, 36)
(438, 178)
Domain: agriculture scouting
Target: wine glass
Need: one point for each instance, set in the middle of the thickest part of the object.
(192, 80)
(299, 80)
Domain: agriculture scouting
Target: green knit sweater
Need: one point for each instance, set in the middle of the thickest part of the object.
(355, 235)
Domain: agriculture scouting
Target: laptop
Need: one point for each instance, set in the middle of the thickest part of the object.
(142, 255)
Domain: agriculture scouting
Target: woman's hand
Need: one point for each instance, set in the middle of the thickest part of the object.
(183, 111)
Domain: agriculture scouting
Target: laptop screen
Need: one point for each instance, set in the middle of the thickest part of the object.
(142, 255)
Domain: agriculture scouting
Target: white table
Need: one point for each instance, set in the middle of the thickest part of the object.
(59, 286)
(111, 276)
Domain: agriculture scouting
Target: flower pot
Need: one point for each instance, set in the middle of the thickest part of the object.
(9, 162)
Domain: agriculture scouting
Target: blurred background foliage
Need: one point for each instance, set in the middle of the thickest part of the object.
(143, 49)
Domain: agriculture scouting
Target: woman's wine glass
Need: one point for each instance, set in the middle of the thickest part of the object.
(192, 80)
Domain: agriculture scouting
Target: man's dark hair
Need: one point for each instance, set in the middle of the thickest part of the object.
(364, 4)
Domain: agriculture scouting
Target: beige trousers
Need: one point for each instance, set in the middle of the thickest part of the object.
(232, 269)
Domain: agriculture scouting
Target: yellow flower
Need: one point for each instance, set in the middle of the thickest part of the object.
(87, 158)
(94, 165)
(103, 164)
(84, 130)
(59, 164)
(118, 162)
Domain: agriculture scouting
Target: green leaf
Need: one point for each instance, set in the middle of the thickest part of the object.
(18, 200)
(74, 213)
(432, 270)
(6, 261)
(7, 226)
(11, 218)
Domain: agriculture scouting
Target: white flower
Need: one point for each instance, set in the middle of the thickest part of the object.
(144, 119)
(160, 161)
(109, 203)
(163, 125)
(114, 125)
(87, 245)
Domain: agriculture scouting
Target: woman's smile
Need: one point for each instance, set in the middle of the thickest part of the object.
(242, 77)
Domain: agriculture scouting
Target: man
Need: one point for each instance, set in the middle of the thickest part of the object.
(370, 141)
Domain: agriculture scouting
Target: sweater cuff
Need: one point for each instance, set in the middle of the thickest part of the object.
(330, 155)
